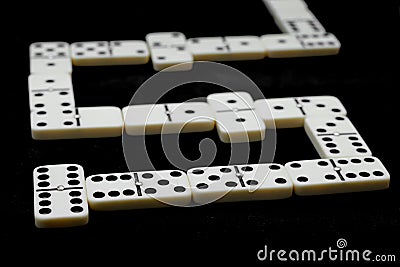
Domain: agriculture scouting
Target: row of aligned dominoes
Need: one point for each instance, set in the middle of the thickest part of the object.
(62, 195)
(303, 35)
(236, 116)
(170, 48)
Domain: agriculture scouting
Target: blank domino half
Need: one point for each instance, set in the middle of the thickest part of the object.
(290, 112)
(168, 118)
(138, 190)
(87, 122)
(239, 183)
(341, 175)
(335, 137)
(60, 196)
(236, 120)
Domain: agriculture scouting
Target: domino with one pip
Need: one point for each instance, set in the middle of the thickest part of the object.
(168, 118)
(236, 119)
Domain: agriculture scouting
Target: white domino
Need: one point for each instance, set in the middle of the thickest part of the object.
(129, 52)
(314, 106)
(169, 49)
(236, 119)
(60, 196)
(86, 122)
(96, 53)
(168, 118)
(226, 48)
(335, 137)
(303, 45)
(341, 175)
(239, 183)
(50, 92)
(138, 190)
(290, 112)
(102, 53)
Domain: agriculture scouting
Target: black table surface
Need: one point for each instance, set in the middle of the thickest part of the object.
(364, 76)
